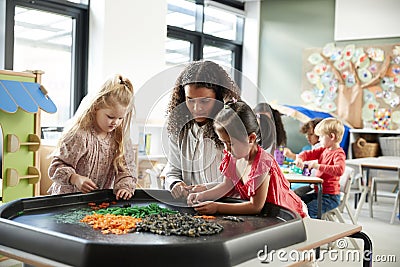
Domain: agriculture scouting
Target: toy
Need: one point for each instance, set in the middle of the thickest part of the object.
(296, 169)
(306, 171)
(278, 154)
(21, 99)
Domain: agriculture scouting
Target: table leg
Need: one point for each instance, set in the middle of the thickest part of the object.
(356, 199)
(367, 252)
(319, 214)
(319, 198)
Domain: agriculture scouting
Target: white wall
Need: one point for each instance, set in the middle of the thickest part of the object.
(251, 48)
(126, 38)
(366, 19)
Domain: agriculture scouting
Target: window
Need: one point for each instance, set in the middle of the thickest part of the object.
(205, 30)
(178, 51)
(51, 36)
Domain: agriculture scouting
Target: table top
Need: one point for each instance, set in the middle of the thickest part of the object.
(320, 232)
(384, 162)
(299, 178)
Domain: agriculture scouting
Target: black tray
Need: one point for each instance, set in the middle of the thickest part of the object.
(31, 225)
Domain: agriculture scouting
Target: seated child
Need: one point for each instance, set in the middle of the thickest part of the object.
(329, 166)
(308, 130)
(248, 169)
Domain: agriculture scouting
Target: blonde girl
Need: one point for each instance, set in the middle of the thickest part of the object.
(95, 152)
(248, 169)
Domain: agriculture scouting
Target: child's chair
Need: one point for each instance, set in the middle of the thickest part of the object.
(335, 214)
(346, 181)
(394, 194)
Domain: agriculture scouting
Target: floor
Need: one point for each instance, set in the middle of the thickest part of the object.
(385, 238)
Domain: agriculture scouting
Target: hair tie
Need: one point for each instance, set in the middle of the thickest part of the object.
(121, 80)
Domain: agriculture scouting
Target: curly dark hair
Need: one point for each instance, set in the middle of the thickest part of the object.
(201, 74)
(310, 125)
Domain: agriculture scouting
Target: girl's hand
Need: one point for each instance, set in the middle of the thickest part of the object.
(207, 207)
(84, 184)
(123, 194)
(180, 190)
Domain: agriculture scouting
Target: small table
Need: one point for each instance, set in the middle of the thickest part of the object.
(320, 232)
(298, 178)
(386, 163)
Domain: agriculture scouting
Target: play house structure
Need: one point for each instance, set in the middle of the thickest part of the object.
(21, 99)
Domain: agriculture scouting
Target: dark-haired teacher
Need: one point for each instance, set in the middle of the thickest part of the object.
(195, 152)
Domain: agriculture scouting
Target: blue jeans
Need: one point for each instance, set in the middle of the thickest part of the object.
(329, 202)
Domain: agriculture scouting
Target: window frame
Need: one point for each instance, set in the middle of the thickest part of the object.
(198, 39)
(80, 47)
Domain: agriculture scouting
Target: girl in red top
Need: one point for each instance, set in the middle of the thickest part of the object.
(248, 169)
(329, 166)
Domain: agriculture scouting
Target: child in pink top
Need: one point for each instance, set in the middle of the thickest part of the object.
(248, 169)
(329, 166)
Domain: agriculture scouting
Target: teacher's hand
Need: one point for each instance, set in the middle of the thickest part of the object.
(197, 188)
(179, 190)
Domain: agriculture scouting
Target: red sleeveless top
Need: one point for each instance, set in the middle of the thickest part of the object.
(279, 191)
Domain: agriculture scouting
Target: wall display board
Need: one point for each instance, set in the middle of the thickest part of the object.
(359, 84)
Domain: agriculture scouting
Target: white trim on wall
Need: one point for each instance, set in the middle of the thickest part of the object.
(366, 19)
(251, 48)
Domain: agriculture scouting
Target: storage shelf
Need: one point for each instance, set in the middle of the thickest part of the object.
(355, 133)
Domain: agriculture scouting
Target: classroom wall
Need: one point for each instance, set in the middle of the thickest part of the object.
(287, 28)
(125, 38)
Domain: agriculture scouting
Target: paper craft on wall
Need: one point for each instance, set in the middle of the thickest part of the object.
(354, 82)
